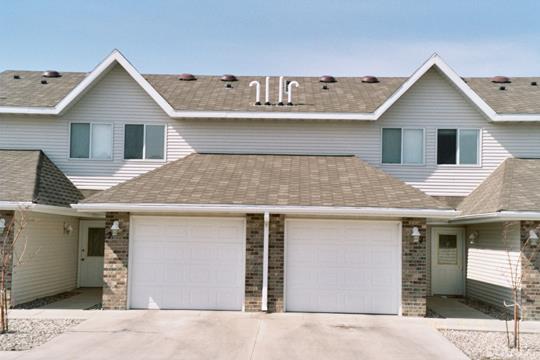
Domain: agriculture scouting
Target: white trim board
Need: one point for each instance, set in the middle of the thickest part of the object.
(260, 209)
(117, 58)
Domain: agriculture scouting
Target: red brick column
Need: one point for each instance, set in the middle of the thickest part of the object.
(254, 262)
(276, 261)
(530, 283)
(115, 266)
(414, 269)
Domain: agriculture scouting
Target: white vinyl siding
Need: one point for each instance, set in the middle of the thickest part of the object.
(488, 262)
(49, 263)
(430, 104)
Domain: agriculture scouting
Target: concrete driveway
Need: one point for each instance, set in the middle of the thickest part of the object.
(227, 335)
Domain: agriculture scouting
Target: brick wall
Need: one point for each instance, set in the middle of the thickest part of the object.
(7, 236)
(530, 267)
(276, 262)
(254, 261)
(115, 267)
(414, 269)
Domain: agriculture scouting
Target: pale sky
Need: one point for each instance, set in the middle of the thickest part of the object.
(277, 37)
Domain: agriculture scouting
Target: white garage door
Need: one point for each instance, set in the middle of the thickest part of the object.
(187, 263)
(343, 266)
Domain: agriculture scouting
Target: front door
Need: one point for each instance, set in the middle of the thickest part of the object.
(91, 248)
(447, 248)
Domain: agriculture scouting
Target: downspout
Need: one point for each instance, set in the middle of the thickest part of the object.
(266, 235)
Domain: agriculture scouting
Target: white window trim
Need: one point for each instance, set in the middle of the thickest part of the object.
(165, 129)
(457, 164)
(91, 123)
(401, 163)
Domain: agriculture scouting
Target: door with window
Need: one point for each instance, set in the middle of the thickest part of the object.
(447, 268)
(91, 249)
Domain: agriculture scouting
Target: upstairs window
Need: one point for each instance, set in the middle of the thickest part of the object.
(402, 146)
(144, 142)
(90, 141)
(458, 146)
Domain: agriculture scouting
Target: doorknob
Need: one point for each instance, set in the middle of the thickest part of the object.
(82, 259)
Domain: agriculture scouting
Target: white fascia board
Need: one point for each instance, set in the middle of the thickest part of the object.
(117, 58)
(15, 205)
(261, 209)
(45, 209)
(496, 216)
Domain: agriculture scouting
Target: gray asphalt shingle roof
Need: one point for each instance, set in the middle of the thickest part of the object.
(30, 176)
(279, 180)
(208, 93)
(513, 186)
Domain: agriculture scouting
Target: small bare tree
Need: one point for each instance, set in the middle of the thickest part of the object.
(9, 259)
(526, 254)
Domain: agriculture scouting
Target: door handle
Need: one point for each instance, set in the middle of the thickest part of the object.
(82, 259)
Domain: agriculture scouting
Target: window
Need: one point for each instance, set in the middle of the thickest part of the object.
(90, 141)
(144, 142)
(458, 146)
(402, 146)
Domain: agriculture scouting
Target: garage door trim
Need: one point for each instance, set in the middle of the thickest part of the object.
(389, 222)
(133, 219)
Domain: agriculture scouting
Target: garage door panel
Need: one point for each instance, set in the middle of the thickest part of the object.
(190, 266)
(342, 266)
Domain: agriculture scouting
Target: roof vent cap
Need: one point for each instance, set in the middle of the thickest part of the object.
(51, 74)
(186, 77)
(327, 79)
(229, 77)
(500, 80)
(369, 79)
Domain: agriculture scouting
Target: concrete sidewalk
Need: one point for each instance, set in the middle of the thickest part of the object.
(233, 335)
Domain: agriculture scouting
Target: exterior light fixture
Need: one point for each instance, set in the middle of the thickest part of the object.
(2, 225)
(68, 229)
(415, 233)
(473, 237)
(115, 228)
(533, 238)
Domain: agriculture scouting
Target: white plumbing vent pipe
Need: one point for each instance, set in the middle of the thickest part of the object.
(280, 93)
(257, 91)
(267, 91)
(289, 91)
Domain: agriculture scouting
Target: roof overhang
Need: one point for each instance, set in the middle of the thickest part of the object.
(496, 217)
(117, 58)
(260, 209)
(45, 209)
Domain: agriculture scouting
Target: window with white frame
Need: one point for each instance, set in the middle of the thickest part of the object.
(458, 146)
(91, 141)
(402, 146)
(144, 142)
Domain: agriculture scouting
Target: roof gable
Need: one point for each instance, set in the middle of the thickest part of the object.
(513, 186)
(30, 176)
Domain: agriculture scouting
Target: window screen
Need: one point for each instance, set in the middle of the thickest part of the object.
(446, 146)
(391, 146)
(468, 146)
(155, 140)
(80, 141)
(133, 141)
